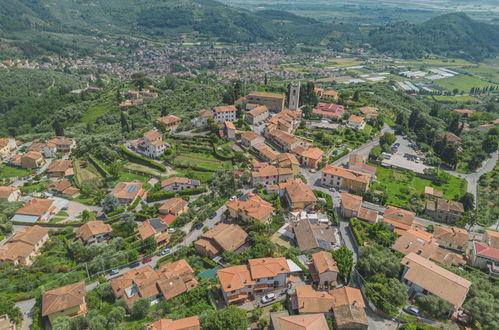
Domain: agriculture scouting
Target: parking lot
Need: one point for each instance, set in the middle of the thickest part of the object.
(405, 158)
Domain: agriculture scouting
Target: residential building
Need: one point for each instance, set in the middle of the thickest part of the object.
(312, 235)
(424, 277)
(62, 144)
(444, 210)
(9, 194)
(311, 157)
(68, 300)
(63, 188)
(491, 238)
(94, 232)
(36, 210)
(307, 300)
(156, 228)
(128, 192)
(229, 130)
(485, 257)
(175, 206)
(225, 113)
(330, 95)
(356, 162)
(284, 140)
(250, 139)
(7, 145)
(450, 138)
(250, 207)
(202, 119)
(432, 192)
(243, 282)
(329, 110)
(48, 150)
(318, 91)
(351, 207)
(23, 247)
(178, 184)
(287, 160)
(283, 321)
(188, 323)
(6, 323)
(60, 169)
(168, 281)
(369, 112)
(398, 219)
(257, 115)
(349, 308)
(345, 179)
(223, 237)
(151, 144)
(265, 175)
(169, 122)
(274, 102)
(32, 160)
(286, 120)
(266, 153)
(452, 238)
(464, 112)
(298, 194)
(324, 270)
(356, 122)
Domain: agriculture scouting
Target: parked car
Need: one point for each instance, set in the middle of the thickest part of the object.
(171, 230)
(268, 298)
(214, 214)
(114, 271)
(135, 264)
(146, 259)
(233, 197)
(333, 189)
(198, 225)
(412, 310)
(165, 252)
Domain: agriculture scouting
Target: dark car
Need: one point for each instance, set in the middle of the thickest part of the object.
(214, 214)
(135, 264)
(412, 310)
(146, 259)
(114, 271)
(198, 225)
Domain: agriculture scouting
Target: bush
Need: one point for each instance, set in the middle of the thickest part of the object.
(193, 191)
(159, 195)
(435, 306)
(142, 160)
(140, 308)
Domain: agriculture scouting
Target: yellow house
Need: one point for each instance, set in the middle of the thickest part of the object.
(67, 300)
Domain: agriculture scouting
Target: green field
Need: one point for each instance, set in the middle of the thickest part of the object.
(11, 172)
(395, 183)
(464, 98)
(95, 111)
(462, 82)
(203, 161)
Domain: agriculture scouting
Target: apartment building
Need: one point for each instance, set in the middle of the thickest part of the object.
(444, 210)
(345, 179)
(223, 237)
(257, 115)
(250, 207)
(225, 113)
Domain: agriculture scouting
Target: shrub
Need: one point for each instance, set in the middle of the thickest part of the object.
(142, 160)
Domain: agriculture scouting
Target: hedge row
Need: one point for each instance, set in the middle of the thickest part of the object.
(142, 160)
(354, 226)
(99, 168)
(135, 203)
(46, 224)
(194, 168)
(159, 195)
(193, 191)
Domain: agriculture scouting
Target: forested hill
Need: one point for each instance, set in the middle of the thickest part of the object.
(454, 35)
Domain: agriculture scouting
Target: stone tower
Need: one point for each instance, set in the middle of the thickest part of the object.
(294, 95)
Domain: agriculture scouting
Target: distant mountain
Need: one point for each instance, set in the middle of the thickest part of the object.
(453, 35)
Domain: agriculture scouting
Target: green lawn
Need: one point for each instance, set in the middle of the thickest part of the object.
(10, 171)
(95, 111)
(463, 98)
(396, 184)
(462, 82)
(128, 177)
(204, 161)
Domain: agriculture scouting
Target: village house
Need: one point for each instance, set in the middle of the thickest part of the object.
(491, 238)
(23, 247)
(356, 122)
(241, 283)
(7, 145)
(432, 192)
(257, 115)
(269, 174)
(36, 210)
(250, 207)
(450, 138)
(223, 237)
(311, 157)
(452, 238)
(48, 150)
(250, 139)
(174, 206)
(485, 257)
(63, 188)
(287, 160)
(188, 323)
(313, 235)
(202, 119)
(356, 162)
(298, 194)
(273, 101)
(369, 112)
(169, 122)
(323, 269)
(9, 194)
(150, 145)
(225, 113)
(318, 91)
(32, 160)
(444, 210)
(156, 228)
(128, 192)
(329, 95)
(285, 141)
(351, 207)
(177, 184)
(329, 110)
(283, 321)
(265, 152)
(399, 220)
(229, 130)
(424, 277)
(62, 144)
(464, 112)
(286, 120)
(168, 281)
(94, 232)
(345, 179)
(68, 300)
(6, 323)
(60, 169)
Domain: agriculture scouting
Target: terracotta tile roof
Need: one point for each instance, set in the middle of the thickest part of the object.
(265, 171)
(205, 113)
(486, 251)
(230, 125)
(169, 119)
(250, 136)
(284, 171)
(298, 192)
(266, 95)
(268, 267)
(225, 108)
(188, 323)
(36, 207)
(258, 111)
(228, 236)
(30, 235)
(33, 155)
(351, 202)
(347, 174)
(286, 160)
(128, 190)
(60, 185)
(436, 279)
(355, 119)
(449, 206)
(266, 151)
(178, 180)
(311, 301)
(5, 192)
(432, 191)
(453, 235)
(451, 137)
(314, 235)
(23, 243)
(492, 238)
(93, 228)
(252, 205)
(313, 153)
(173, 205)
(368, 110)
(324, 262)
(152, 135)
(302, 322)
(356, 160)
(347, 295)
(349, 315)
(367, 215)
(398, 218)
(63, 298)
(60, 166)
(235, 278)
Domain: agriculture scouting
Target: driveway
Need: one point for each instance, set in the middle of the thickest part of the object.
(75, 209)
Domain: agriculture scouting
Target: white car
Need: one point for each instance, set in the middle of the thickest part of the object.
(268, 298)
(171, 230)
